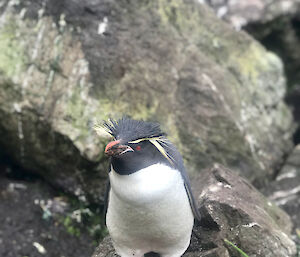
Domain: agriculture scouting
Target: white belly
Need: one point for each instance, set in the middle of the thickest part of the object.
(149, 211)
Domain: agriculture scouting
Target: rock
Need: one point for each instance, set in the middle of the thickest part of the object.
(293, 99)
(66, 64)
(105, 249)
(28, 226)
(244, 12)
(232, 209)
(285, 190)
(282, 37)
(274, 23)
(239, 213)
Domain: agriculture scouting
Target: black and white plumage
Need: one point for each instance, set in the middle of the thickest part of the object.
(149, 204)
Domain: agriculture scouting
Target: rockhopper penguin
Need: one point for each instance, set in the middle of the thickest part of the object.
(149, 202)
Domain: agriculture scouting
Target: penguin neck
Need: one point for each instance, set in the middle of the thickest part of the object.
(146, 184)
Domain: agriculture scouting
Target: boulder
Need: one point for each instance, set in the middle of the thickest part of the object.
(285, 190)
(282, 37)
(276, 24)
(233, 212)
(65, 65)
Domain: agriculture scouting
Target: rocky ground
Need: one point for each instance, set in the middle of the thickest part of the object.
(222, 77)
(38, 220)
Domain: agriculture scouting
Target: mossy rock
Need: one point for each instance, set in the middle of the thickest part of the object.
(217, 92)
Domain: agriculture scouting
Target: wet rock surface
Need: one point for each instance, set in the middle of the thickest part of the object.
(232, 209)
(32, 221)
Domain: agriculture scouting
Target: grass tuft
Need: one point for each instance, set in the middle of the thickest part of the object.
(236, 248)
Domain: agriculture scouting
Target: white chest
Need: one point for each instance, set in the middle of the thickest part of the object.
(149, 210)
(147, 185)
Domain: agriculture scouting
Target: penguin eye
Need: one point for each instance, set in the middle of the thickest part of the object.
(138, 148)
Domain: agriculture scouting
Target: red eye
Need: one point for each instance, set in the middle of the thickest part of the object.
(138, 148)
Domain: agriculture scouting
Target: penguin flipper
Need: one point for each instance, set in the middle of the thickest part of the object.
(192, 200)
(106, 200)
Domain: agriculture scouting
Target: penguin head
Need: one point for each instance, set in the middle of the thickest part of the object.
(137, 145)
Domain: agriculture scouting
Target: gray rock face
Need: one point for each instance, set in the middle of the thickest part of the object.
(282, 37)
(66, 64)
(276, 24)
(232, 209)
(285, 190)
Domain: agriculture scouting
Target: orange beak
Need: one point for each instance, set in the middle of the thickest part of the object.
(110, 145)
(114, 148)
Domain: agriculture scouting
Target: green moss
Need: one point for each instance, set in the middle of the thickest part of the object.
(76, 106)
(182, 16)
(107, 109)
(252, 62)
(12, 58)
(168, 11)
(232, 49)
(188, 21)
(75, 111)
(79, 114)
(71, 229)
(91, 219)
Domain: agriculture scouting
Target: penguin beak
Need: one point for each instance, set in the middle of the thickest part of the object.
(115, 148)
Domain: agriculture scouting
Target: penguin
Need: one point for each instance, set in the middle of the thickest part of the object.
(149, 205)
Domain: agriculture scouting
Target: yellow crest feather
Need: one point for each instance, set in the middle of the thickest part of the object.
(155, 142)
(101, 131)
(161, 149)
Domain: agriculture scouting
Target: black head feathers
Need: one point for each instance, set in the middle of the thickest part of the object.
(130, 130)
